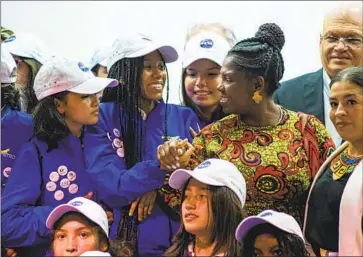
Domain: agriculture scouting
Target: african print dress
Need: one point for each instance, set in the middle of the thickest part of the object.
(278, 162)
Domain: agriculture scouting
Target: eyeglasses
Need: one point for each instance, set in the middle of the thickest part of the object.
(352, 42)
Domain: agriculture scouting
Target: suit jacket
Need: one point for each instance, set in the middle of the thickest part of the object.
(303, 94)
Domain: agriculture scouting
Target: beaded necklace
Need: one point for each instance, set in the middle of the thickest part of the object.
(344, 163)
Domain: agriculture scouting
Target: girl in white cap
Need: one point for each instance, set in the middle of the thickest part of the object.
(134, 120)
(213, 196)
(97, 63)
(29, 53)
(51, 169)
(79, 228)
(271, 233)
(206, 46)
(16, 126)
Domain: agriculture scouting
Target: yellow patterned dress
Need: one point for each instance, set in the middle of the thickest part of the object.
(278, 162)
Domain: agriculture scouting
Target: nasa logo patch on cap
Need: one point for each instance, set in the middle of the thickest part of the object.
(204, 165)
(266, 214)
(83, 67)
(77, 203)
(10, 39)
(206, 43)
(146, 38)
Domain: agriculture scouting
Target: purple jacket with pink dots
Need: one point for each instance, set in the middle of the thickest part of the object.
(33, 192)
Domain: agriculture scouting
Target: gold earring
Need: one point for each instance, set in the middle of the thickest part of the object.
(257, 97)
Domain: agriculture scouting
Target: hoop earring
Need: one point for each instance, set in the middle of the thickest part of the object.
(257, 97)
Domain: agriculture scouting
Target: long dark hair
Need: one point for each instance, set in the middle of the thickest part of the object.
(49, 125)
(291, 245)
(10, 96)
(128, 72)
(186, 101)
(226, 212)
(261, 55)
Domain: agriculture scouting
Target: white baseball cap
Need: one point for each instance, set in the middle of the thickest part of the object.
(206, 45)
(28, 46)
(88, 208)
(137, 45)
(8, 69)
(214, 172)
(95, 253)
(60, 74)
(279, 220)
(102, 52)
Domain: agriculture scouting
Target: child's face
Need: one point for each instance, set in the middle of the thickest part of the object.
(195, 208)
(266, 245)
(74, 237)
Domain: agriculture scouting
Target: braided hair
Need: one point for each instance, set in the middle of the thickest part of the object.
(127, 94)
(261, 55)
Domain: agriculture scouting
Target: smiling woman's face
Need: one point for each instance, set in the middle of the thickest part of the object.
(202, 78)
(153, 77)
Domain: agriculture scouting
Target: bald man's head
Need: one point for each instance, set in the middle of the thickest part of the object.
(344, 21)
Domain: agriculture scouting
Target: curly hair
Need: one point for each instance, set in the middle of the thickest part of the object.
(10, 96)
(261, 55)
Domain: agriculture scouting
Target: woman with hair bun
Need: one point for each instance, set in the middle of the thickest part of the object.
(278, 151)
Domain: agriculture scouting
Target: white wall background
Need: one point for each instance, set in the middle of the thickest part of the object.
(73, 29)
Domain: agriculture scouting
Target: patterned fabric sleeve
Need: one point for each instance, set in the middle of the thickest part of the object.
(320, 144)
(326, 143)
(200, 153)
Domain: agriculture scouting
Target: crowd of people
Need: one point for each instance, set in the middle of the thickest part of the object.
(96, 162)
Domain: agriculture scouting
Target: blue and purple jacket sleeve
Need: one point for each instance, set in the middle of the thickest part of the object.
(23, 223)
(116, 185)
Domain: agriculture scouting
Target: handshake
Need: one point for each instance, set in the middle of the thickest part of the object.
(174, 154)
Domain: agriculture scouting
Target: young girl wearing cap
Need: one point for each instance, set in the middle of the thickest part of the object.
(16, 126)
(206, 46)
(79, 228)
(97, 63)
(51, 169)
(271, 233)
(29, 53)
(213, 196)
(134, 120)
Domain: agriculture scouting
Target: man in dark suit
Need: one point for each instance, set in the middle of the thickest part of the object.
(340, 47)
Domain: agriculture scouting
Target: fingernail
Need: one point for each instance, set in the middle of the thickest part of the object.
(177, 164)
(177, 158)
(168, 167)
(174, 167)
(130, 214)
